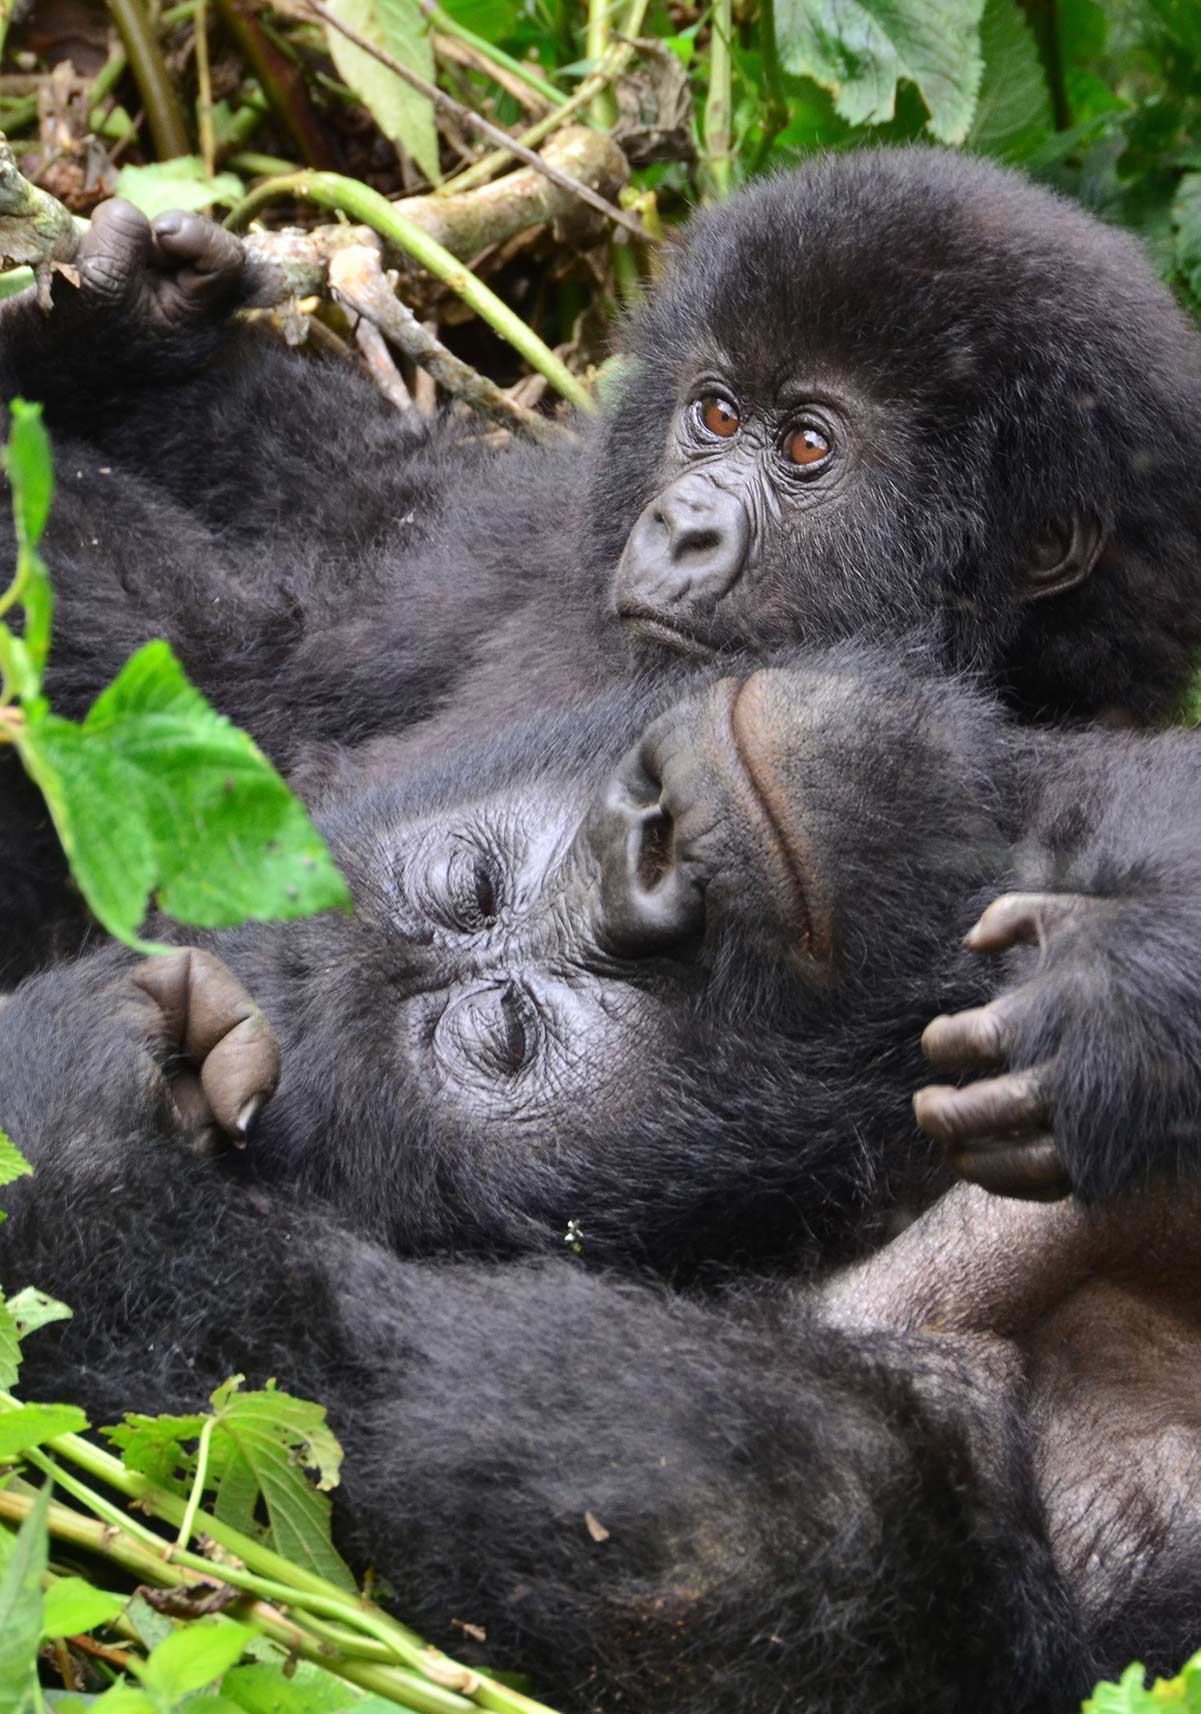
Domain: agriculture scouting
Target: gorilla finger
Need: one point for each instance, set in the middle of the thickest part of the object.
(194, 1116)
(1020, 918)
(239, 1076)
(980, 1037)
(1030, 1169)
(203, 1003)
(115, 251)
(1014, 1105)
(164, 978)
(207, 255)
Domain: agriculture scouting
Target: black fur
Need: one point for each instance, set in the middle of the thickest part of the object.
(801, 1511)
(333, 570)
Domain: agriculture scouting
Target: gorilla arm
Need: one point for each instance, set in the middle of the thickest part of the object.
(793, 1514)
(1091, 1045)
(145, 363)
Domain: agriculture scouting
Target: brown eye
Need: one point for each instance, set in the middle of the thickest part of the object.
(719, 416)
(806, 446)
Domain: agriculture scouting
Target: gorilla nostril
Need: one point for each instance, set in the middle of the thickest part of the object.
(656, 849)
(648, 901)
(692, 544)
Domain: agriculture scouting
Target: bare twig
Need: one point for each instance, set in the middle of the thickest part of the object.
(359, 202)
(477, 122)
(465, 53)
(468, 224)
(451, 26)
(34, 227)
(358, 282)
(378, 359)
(612, 65)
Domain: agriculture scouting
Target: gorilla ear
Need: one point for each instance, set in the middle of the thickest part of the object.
(1064, 553)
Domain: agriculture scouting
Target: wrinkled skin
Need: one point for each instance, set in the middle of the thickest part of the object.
(581, 951)
(925, 1480)
(899, 395)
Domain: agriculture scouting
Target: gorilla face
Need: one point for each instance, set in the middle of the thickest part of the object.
(905, 392)
(575, 956)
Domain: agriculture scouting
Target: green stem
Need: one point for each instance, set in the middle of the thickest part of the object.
(261, 166)
(405, 1689)
(775, 114)
(204, 1441)
(163, 111)
(204, 89)
(596, 44)
(719, 103)
(430, 1664)
(360, 202)
(614, 64)
(442, 20)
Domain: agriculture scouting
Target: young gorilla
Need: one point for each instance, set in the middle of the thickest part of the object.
(672, 1000)
(896, 393)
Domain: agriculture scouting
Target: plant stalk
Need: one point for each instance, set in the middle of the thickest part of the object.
(615, 62)
(719, 105)
(163, 112)
(362, 203)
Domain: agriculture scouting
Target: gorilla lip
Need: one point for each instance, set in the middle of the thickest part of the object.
(651, 627)
(754, 759)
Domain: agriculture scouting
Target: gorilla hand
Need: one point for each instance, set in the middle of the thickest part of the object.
(165, 279)
(173, 1042)
(224, 1058)
(997, 1131)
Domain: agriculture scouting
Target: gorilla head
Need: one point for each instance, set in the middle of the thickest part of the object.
(906, 388)
(664, 989)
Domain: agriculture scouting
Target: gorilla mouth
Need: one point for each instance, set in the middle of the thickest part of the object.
(751, 729)
(650, 625)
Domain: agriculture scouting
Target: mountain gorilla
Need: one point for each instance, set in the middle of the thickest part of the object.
(659, 971)
(896, 393)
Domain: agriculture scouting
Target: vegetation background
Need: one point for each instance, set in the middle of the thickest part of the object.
(518, 166)
(203, 102)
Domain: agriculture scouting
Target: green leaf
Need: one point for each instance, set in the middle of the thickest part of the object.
(263, 1689)
(156, 1446)
(156, 789)
(27, 460)
(123, 1698)
(860, 49)
(12, 1162)
(1129, 1696)
(73, 1606)
(31, 1309)
(1186, 226)
(33, 1425)
(262, 1443)
(192, 1658)
(151, 1626)
(10, 1346)
(1013, 112)
(21, 1607)
(401, 113)
(179, 183)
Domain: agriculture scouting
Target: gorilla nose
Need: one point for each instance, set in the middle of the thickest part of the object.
(649, 902)
(689, 546)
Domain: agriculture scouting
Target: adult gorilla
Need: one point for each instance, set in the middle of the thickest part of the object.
(895, 393)
(675, 1001)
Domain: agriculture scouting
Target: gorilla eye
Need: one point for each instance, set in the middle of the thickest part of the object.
(485, 892)
(718, 416)
(806, 446)
(473, 892)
